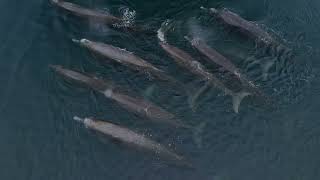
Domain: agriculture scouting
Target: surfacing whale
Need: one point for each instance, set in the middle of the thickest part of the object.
(125, 58)
(246, 27)
(249, 29)
(99, 17)
(137, 105)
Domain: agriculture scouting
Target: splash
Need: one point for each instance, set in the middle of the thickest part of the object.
(128, 18)
(161, 32)
(161, 35)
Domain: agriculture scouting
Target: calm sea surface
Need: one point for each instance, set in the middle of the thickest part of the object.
(277, 141)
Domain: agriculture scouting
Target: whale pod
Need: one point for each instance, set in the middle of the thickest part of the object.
(187, 61)
(196, 68)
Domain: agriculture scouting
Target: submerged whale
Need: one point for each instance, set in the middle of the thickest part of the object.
(86, 13)
(134, 139)
(136, 105)
(96, 16)
(187, 61)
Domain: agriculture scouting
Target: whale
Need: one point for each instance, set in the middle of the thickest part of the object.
(99, 17)
(133, 139)
(215, 57)
(86, 13)
(185, 60)
(247, 28)
(124, 57)
(117, 54)
(137, 105)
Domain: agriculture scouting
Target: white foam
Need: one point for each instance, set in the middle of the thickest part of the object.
(161, 35)
(127, 19)
(162, 30)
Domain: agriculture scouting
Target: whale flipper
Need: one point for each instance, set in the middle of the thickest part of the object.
(197, 134)
(237, 98)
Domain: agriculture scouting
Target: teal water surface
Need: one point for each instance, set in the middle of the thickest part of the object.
(39, 140)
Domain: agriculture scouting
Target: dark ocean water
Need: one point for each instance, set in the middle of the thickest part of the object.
(39, 140)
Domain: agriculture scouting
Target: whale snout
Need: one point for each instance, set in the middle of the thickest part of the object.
(84, 41)
(81, 41)
(214, 10)
(55, 1)
(55, 67)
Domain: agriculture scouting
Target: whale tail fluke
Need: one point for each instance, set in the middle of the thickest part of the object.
(237, 99)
